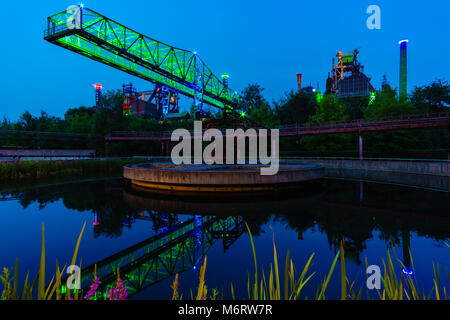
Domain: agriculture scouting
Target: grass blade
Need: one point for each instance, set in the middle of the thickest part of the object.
(325, 284)
(41, 285)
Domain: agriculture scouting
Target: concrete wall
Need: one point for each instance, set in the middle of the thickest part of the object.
(433, 168)
(434, 175)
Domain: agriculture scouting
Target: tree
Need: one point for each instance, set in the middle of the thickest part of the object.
(264, 115)
(109, 117)
(253, 97)
(6, 124)
(392, 143)
(329, 85)
(295, 107)
(330, 109)
(387, 104)
(432, 98)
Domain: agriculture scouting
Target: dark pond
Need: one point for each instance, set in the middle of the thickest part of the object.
(153, 237)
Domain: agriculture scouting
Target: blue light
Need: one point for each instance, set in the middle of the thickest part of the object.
(195, 267)
(408, 272)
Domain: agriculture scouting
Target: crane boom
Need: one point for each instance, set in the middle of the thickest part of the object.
(97, 37)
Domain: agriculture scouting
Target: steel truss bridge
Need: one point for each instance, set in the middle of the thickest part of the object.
(97, 37)
(179, 249)
(406, 122)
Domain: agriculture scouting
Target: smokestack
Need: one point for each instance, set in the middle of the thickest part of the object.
(299, 81)
(403, 68)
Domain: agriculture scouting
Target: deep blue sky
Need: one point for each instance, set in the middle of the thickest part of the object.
(267, 42)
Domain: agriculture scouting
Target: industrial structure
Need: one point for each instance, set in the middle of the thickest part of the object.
(403, 68)
(177, 248)
(157, 103)
(98, 94)
(348, 78)
(173, 71)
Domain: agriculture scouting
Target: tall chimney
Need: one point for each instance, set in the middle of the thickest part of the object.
(403, 68)
(299, 81)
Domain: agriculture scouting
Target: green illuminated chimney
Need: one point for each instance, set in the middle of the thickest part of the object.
(403, 68)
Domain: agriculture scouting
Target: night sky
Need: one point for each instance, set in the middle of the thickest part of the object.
(265, 42)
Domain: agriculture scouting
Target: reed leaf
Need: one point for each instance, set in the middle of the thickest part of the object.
(75, 254)
(41, 285)
(255, 287)
(232, 292)
(343, 274)
(325, 284)
(24, 290)
(16, 280)
(286, 277)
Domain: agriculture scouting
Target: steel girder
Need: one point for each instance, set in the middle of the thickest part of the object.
(102, 39)
(162, 256)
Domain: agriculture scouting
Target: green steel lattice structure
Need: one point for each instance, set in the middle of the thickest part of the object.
(102, 39)
(162, 256)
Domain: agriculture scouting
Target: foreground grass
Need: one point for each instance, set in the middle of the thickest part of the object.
(11, 172)
(269, 287)
(55, 290)
(259, 287)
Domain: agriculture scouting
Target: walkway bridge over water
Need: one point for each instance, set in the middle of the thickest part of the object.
(405, 122)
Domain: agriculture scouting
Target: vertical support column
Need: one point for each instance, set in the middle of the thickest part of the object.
(361, 155)
(406, 246)
(106, 149)
(225, 81)
(167, 148)
(81, 16)
(361, 190)
(198, 81)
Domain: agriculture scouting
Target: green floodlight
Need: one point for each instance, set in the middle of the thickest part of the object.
(372, 98)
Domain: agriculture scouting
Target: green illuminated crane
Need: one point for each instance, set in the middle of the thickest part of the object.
(97, 37)
(162, 256)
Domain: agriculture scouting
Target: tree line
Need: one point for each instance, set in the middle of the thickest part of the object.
(292, 108)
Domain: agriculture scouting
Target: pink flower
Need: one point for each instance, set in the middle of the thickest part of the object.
(93, 289)
(119, 292)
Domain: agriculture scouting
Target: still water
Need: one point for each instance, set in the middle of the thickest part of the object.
(153, 237)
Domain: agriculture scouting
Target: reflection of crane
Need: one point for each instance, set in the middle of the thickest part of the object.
(102, 39)
(179, 249)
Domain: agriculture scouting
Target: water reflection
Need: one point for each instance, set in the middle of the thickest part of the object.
(179, 247)
(184, 229)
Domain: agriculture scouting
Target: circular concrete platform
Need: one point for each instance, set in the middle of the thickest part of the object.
(168, 177)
